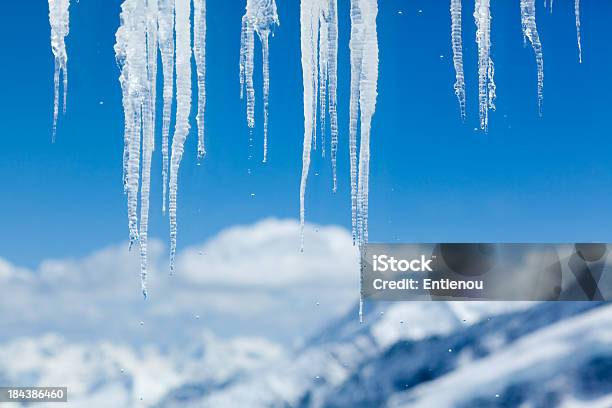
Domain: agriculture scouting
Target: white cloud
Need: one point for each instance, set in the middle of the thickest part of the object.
(268, 255)
(247, 280)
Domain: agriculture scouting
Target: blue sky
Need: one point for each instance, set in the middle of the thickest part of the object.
(432, 177)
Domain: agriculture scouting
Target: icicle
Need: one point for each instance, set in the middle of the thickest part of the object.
(260, 18)
(309, 26)
(323, 66)
(199, 52)
(530, 31)
(183, 108)
(136, 52)
(148, 135)
(166, 48)
(455, 11)
(364, 78)
(319, 43)
(60, 26)
(486, 85)
(265, 52)
(131, 54)
(577, 13)
(332, 77)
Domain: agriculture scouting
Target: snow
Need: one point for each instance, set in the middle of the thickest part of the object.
(260, 17)
(59, 19)
(530, 31)
(106, 374)
(525, 359)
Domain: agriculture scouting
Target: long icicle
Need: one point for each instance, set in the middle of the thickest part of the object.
(530, 31)
(148, 135)
(131, 54)
(577, 14)
(260, 17)
(455, 11)
(332, 74)
(183, 108)
(364, 80)
(265, 56)
(323, 67)
(319, 46)
(356, 57)
(199, 52)
(309, 27)
(59, 19)
(166, 48)
(486, 85)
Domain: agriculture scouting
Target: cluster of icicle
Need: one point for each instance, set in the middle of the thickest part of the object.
(319, 36)
(146, 27)
(260, 17)
(486, 84)
(319, 47)
(59, 19)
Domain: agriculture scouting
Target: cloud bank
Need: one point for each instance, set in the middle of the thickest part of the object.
(246, 280)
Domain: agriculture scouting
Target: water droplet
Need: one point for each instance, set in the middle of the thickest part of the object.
(122, 370)
(400, 12)
(199, 252)
(252, 194)
(450, 350)
(142, 323)
(401, 322)
(317, 303)
(198, 317)
(101, 102)
(420, 11)
(496, 395)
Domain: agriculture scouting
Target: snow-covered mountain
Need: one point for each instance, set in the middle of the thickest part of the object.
(442, 355)
(106, 374)
(405, 354)
(314, 371)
